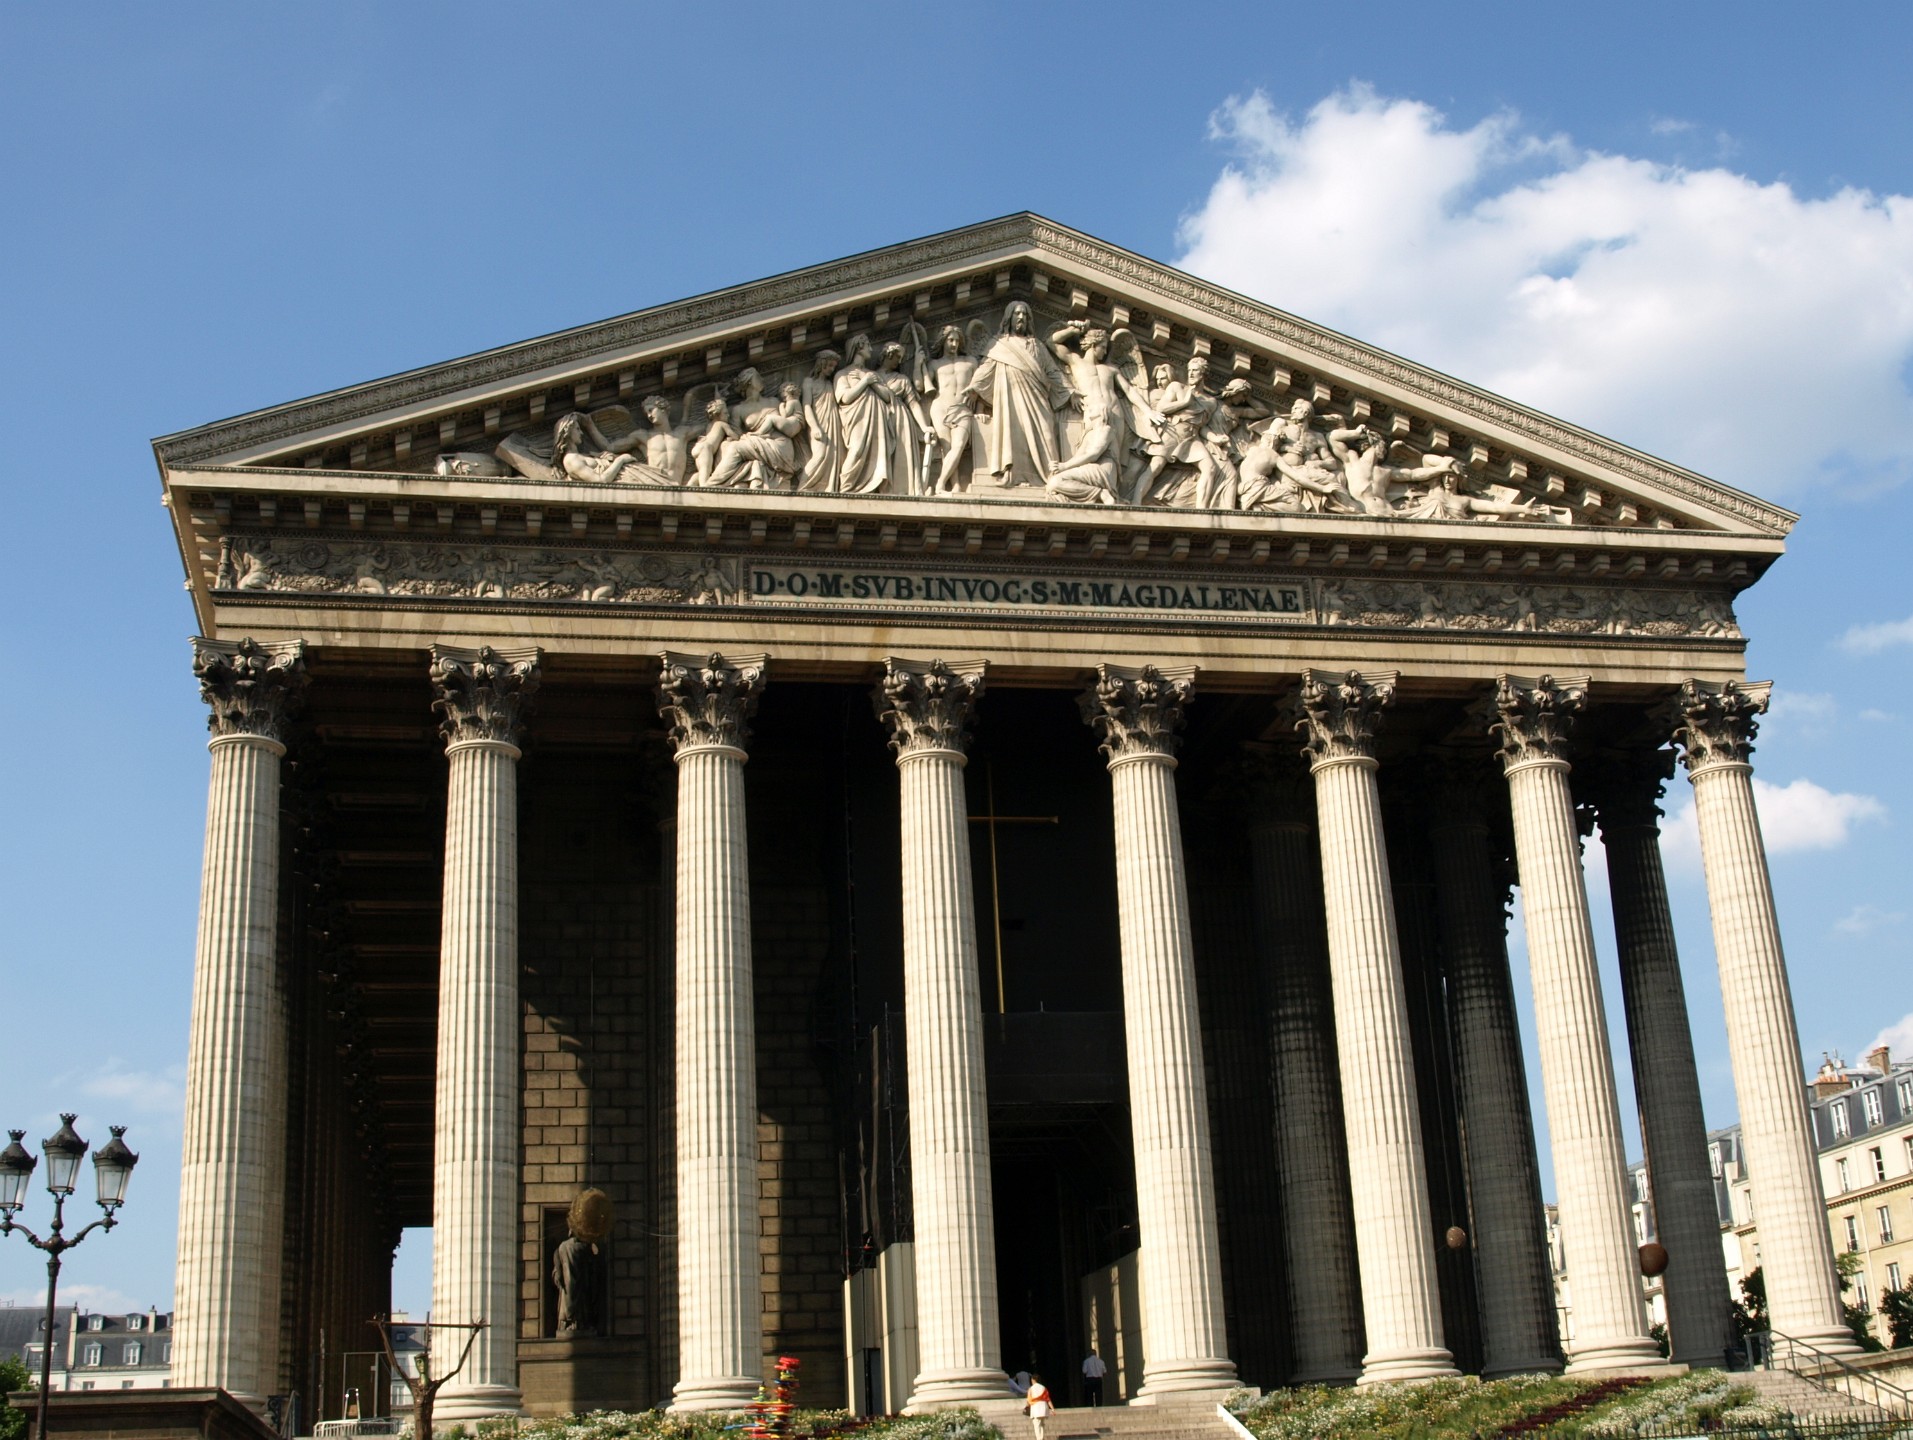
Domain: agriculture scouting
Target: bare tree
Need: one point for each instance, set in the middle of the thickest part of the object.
(425, 1385)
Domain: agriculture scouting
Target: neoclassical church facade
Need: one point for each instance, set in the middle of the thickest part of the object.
(971, 794)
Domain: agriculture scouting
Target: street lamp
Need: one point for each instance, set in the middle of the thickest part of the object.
(112, 1167)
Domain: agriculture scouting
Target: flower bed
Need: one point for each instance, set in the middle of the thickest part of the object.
(803, 1425)
(1468, 1409)
(1425, 1410)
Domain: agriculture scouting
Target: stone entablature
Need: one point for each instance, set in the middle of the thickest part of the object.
(305, 536)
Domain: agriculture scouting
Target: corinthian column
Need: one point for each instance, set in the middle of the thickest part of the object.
(480, 696)
(1136, 714)
(232, 1166)
(928, 707)
(1624, 786)
(1325, 1312)
(708, 701)
(1394, 1229)
(1577, 1072)
(1716, 731)
(1518, 1329)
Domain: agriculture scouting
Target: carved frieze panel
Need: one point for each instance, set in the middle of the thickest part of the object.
(517, 573)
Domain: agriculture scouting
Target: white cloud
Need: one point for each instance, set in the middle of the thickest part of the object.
(146, 1092)
(1882, 635)
(1687, 311)
(1794, 817)
(1868, 920)
(1804, 712)
(88, 1297)
(1898, 1037)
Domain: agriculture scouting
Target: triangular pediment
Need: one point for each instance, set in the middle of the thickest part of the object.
(1415, 445)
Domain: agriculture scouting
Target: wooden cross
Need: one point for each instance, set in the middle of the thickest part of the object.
(992, 819)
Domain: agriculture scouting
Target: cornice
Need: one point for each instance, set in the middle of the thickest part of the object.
(1431, 384)
(581, 343)
(1021, 236)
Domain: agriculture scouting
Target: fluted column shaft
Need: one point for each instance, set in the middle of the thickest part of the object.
(475, 1173)
(720, 1305)
(1518, 1329)
(232, 1164)
(1394, 1227)
(1666, 1080)
(958, 1327)
(1324, 1291)
(1388, 1178)
(1577, 1071)
(1136, 712)
(1803, 1288)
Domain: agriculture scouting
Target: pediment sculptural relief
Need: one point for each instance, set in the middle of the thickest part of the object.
(1073, 412)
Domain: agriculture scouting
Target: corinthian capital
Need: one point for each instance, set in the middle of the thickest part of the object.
(1340, 713)
(928, 703)
(1624, 786)
(253, 689)
(1716, 723)
(483, 694)
(1137, 711)
(1536, 716)
(709, 699)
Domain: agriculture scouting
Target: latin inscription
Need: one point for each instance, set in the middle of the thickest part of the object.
(1142, 595)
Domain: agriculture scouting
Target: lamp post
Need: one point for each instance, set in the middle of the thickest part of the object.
(112, 1167)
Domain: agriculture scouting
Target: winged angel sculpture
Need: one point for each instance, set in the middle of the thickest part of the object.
(1077, 413)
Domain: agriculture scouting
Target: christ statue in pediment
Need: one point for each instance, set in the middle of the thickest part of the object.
(1019, 384)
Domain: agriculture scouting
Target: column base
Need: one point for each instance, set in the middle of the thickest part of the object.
(1178, 1382)
(1636, 1355)
(948, 1389)
(1397, 1365)
(1836, 1341)
(714, 1392)
(477, 1402)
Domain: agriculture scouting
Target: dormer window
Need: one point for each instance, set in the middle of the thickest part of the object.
(135, 1322)
(1842, 1123)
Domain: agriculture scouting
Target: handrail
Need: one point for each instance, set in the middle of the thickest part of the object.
(1887, 1396)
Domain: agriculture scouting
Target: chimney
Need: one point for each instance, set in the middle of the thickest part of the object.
(1831, 1080)
(1881, 1059)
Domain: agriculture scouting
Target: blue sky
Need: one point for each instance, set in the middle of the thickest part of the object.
(1683, 226)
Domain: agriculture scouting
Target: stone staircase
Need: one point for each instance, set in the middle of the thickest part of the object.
(1123, 1422)
(1807, 1400)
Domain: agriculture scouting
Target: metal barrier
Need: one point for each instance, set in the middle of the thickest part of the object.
(1834, 1373)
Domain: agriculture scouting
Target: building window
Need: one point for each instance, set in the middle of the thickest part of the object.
(1893, 1276)
(1905, 1092)
(1860, 1297)
(93, 1355)
(135, 1322)
(1853, 1234)
(166, 1353)
(1841, 1169)
(86, 1384)
(1886, 1225)
(1713, 1158)
(1878, 1156)
(133, 1346)
(1870, 1104)
(1837, 1114)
